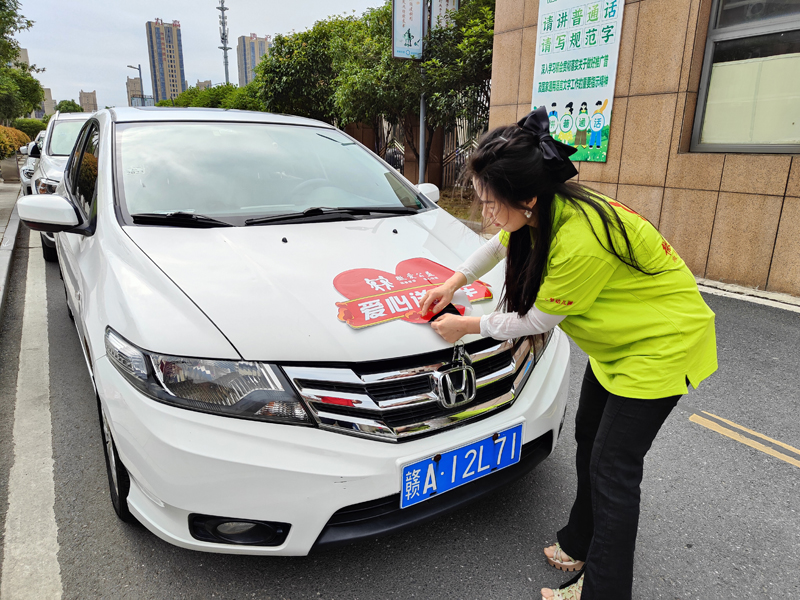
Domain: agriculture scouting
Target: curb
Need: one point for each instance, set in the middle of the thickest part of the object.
(6, 253)
(729, 290)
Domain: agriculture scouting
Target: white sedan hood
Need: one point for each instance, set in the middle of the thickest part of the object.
(270, 289)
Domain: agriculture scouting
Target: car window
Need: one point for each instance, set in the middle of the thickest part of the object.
(86, 172)
(62, 140)
(71, 171)
(249, 170)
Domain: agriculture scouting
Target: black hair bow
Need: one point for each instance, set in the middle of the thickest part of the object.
(556, 155)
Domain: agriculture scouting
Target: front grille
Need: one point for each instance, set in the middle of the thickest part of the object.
(377, 391)
(400, 389)
(398, 400)
(426, 411)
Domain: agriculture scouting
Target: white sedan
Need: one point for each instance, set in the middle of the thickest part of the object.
(246, 290)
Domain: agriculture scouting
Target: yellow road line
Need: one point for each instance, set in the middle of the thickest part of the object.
(742, 439)
(755, 433)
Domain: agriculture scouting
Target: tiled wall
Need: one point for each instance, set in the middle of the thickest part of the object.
(732, 217)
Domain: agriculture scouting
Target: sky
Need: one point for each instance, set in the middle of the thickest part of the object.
(87, 44)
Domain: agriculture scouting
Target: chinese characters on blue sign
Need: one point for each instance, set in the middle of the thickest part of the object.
(576, 66)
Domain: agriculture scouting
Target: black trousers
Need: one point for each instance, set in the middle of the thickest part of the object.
(613, 434)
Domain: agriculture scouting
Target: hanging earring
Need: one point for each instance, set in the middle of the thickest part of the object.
(528, 214)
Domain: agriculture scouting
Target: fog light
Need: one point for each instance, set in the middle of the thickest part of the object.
(222, 530)
(234, 528)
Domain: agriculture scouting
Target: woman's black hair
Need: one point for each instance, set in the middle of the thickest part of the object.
(509, 163)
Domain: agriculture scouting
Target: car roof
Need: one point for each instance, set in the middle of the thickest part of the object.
(81, 116)
(160, 114)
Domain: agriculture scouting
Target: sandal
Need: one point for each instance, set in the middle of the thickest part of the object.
(572, 592)
(562, 561)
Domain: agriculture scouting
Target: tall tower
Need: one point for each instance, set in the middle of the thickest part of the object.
(166, 59)
(223, 36)
(249, 52)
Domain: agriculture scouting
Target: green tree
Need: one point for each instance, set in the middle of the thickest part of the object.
(68, 106)
(20, 92)
(31, 92)
(245, 98)
(11, 21)
(297, 76)
(220, 96)
(457, 64)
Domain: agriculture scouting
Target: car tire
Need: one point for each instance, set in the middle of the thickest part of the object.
(49, 253)
(119, 482)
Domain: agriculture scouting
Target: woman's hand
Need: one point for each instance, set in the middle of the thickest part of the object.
(452, 328)
(436, 299)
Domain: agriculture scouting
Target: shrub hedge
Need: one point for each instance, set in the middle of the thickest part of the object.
(10, 141)
(29, 126)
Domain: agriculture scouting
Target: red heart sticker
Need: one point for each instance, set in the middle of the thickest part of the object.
(379, 297)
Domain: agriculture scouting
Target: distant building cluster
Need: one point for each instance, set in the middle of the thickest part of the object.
(250, 50)
(167, 71)
(165, 51)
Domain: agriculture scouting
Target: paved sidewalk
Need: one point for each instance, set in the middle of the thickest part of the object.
(9, 225)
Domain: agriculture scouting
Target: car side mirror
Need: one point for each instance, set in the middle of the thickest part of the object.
(34, 151)
(23, 150)
(430, 191)
(47, 212)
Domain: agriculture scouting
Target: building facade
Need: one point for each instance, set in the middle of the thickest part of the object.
(88, 101)
(49, 105)
(165, 50)
(133, 86)
(203, 85)
(728, 203)
(250, 50)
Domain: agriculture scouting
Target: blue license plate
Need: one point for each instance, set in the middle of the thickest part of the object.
(448, 470)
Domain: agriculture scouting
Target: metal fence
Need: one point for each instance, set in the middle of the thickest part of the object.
(460, 142)
(391, 146)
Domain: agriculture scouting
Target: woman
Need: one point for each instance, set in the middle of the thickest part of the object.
(609, 279)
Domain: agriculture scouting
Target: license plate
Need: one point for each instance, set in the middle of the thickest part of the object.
(446, 471)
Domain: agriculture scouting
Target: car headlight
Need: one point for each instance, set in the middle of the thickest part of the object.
(28, 173)
(46, 186)
(243, 389)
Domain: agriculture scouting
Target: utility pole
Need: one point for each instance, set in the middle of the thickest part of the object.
(422, 132)
(223, 36)
(141, 81)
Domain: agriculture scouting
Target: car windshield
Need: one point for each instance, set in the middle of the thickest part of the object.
(63, 137)
(241, 171)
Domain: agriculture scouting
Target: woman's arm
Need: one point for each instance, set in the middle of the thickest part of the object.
(505, 326)
(500, 326)
(483, 260)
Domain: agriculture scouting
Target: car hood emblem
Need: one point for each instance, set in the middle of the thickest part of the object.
(456, 384)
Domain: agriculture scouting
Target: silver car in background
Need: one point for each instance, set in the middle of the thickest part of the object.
(59, 139)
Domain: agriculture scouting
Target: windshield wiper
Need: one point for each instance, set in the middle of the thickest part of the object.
(179, 219)
(341, 212)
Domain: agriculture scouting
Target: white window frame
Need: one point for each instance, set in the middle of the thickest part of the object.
(767, 26)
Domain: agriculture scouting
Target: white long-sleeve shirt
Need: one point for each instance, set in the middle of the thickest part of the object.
(504, 326)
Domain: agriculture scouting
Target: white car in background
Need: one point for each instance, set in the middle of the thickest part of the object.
(59, 139)
(246, 290)
(29, 166)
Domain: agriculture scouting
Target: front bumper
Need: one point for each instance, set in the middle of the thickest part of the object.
(183, 462)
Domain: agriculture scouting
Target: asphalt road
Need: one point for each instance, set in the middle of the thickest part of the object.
(719, 517)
